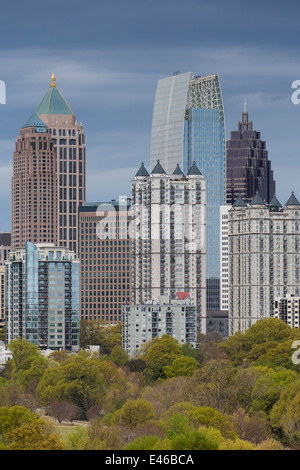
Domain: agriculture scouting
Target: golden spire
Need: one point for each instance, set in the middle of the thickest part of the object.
(53, 80)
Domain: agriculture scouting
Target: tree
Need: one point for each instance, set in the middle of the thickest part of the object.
(213, 418)
(27, 364)
(135, 413)
(181, 366)
(62, 410)
(97, 332)
(159, 353)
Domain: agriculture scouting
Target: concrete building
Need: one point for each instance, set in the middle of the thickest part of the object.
(2, 296)
(42, 297)
(69, 144)
(224, 268)
(188, 126)
(34, 186)
(168, 236)
(264, 258)
(5, 247)
(105, 257)
(144, 322)
(288, 309)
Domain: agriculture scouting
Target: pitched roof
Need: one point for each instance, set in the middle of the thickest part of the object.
(292, 201)
(142, 171)
(257, 200)
(35, 121)
(183, 295)
(53, 102)
(239, 202)
(274, 204)
(194, 170)
(178, 171)
(158, 169)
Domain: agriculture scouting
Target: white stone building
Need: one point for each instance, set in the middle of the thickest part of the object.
(264, 258)
(168, 236)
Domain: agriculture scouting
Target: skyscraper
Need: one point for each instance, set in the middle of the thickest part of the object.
(42, 296)
(248, 166)
(188, 126)
(168, 236)
(105, 259)
(264, 258)
(69, 143)
(34, 186)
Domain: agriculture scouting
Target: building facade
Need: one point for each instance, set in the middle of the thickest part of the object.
(224, 267)
(188, 126)
(287, 309)
(105, 258)
(168, 236)
(264, 258)
(144, 322)
(5, 247)
(42, 297)
(2, 296)
(248, 167)
(69, 144)
(34, 186)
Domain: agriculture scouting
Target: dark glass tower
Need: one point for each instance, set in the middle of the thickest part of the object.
(248, 168)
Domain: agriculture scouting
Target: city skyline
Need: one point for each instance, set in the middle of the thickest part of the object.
(112, 88)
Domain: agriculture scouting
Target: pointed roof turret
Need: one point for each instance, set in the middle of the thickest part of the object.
(158, 169)
(292, 201)
(275, 204)
(178, 171)
(53, 101)
(142, 171)
(194, 170)
(257, 200)
(35, 121)
(239, 202)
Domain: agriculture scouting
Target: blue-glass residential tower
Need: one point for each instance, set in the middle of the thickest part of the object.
(188, 126)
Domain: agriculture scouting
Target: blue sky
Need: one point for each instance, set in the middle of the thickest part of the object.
(108, 56)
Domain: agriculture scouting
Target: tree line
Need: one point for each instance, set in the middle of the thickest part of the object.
(238, 394)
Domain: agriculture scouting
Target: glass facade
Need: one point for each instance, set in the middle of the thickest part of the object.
(42, 297)
(188, 125)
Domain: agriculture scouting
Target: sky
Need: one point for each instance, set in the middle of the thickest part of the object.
(108, 56)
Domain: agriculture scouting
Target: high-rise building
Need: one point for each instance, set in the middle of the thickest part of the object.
(264, 258)
(2, 296)
(42, 296)
(5, 247)
(69, 143)
(288, 310)
(143, 323)
(224, 268)
(248, 167)
(34, 186)
(105, 259)
(168, 236)
(188, 126)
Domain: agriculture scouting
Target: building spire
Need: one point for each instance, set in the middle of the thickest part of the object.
(245, 110)
(53, 80)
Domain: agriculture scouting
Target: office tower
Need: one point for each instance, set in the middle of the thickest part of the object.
(264, 258)
(248, 166)
(287, 309)
(2, 296)
(5, 246)
(34, 186)
(143, 323)
(168, 236)
(69, 143)
(224, 272)
(105, 259)
(42, 296)
(188, 126)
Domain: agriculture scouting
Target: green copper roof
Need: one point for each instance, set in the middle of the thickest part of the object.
(158, 169)
(257, 200)
(194, 170)
(142, 171)
(178, 171)
(53, 102)
(239, 202)
(292, 201)
(35, 121)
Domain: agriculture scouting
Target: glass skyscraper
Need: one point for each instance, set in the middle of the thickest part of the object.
(188, 126)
